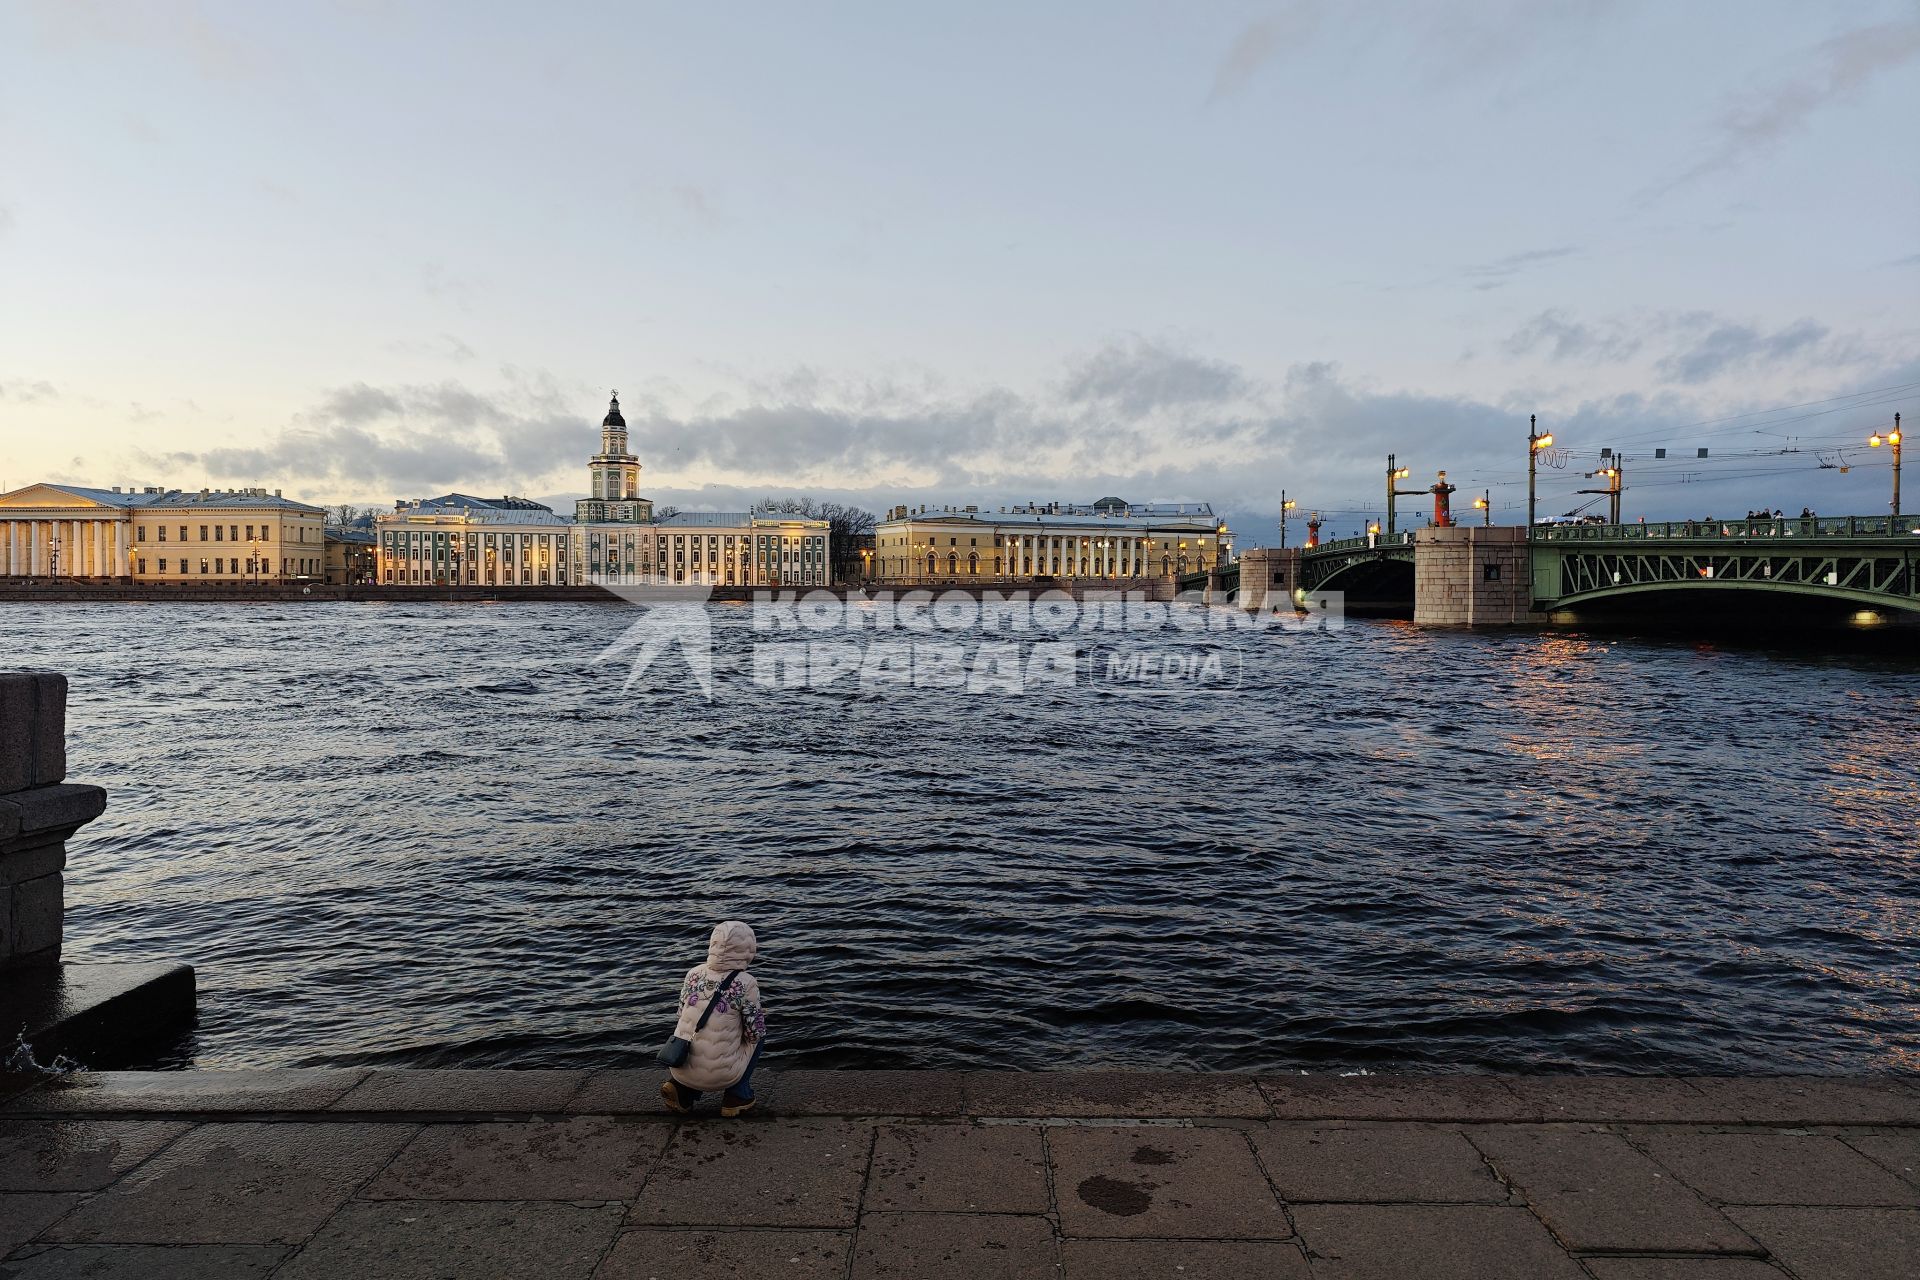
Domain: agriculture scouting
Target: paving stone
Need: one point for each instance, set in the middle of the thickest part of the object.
(1848, 1244)
(463, 1092)
(285, 1089)
(1457, 1098)
(1596, 1192)
(1797, 1100)
(1897, 1150)
(954, 1246)
(958, 1168)
(713, 1255)
(145, 1262)
(797, 1173)
(25, 1214)
(621, 1092)
(863, 1093)
(1776, 1168)
(1431, 1242)
(1379, 1163)
(442, 1240)
(1151, 1180)
(250, 1183)
(1701, 1268)
(582, 1158)
(1626, 1099)
(1183, 1260)
(1112, 1094)
(76, 1155)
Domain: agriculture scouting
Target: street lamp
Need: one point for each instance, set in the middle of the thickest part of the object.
(1286, 505)
(1536, 441)
(1891, 438)
(1395, 474)
(1484, 505)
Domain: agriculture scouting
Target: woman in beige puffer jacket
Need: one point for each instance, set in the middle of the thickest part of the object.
(726, 1049)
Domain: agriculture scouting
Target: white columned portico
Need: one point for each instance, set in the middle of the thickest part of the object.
(121, 550)
(100, 532)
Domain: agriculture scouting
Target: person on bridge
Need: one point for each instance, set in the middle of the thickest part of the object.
(720, 1014)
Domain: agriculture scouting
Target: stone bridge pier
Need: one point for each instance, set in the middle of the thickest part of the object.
(92, 1013)
(1473, 576)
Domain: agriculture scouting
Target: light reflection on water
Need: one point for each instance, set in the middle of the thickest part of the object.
(432, 835)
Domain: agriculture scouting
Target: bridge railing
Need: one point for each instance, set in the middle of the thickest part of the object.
(1835, 527)
(1399, 538)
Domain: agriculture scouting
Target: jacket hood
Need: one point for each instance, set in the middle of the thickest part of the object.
(732, 946)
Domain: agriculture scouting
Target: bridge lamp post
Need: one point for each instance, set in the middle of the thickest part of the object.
(1394, 476)
(1891, 438)
(1286, 505)
(1536, 441)
(1484, 505)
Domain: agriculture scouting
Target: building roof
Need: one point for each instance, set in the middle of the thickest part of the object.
(154, 496)
(465, 507)
(341, 533)
(1104, 514)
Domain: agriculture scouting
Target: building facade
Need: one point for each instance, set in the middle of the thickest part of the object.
(1110, 539)
(159, 535)
(460, 540)
(350, 557)
(708, 548)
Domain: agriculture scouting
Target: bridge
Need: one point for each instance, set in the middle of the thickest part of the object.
(1479, 576)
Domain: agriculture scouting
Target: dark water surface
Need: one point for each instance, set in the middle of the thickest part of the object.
(433, 835)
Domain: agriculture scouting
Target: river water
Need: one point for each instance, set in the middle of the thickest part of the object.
(445, 835)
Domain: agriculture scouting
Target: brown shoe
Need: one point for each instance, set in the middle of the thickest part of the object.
(731, 1106)
(671, 1092)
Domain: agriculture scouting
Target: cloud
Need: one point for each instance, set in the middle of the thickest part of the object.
(1495, 273)
(21, 391)
(1138, 377)
(1260, 43)
(435, 279)
(1841, 67)
(1727, 348)
(1564, 338)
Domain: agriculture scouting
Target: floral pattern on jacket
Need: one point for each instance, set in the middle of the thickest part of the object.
(699, 987)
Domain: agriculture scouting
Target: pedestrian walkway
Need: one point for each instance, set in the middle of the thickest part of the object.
(368, 1175)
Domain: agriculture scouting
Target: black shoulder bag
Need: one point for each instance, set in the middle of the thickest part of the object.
(675, 1052)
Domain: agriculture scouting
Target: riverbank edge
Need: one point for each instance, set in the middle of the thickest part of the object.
(1774, 1101)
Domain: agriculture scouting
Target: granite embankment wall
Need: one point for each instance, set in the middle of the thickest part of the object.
(43, 592)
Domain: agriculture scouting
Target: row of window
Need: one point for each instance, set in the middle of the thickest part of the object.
(221, 533)
(230, 566)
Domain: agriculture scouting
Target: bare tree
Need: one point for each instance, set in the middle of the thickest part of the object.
(345, 515)
(845, 526)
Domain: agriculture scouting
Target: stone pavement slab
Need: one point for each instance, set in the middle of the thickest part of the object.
(145, 1262)
(76, 1155)
(1897, 1151)
(450, 1240)
(1620, 1098)
(1798, 1100)
(453, 1091)
(576, 1158)
(621, 1092)
(752, 1255)
(1460, 1098)
(788, 1173)
(244, 1183)
(1775, 1168)
(1381, 1163)
(1671, 1268)
(1183, 1260)
(862, 1093)
(25, 1214)
(1430, 1242)
(1112, 1094)
(956, 1168)
(190, 1092)
(1596, 1192)
(1837, 1244)
(954, 1246)
(1151, 1180)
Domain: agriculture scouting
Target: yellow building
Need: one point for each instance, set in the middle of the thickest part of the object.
(159, 535)
(458, 539)
(1110, 539)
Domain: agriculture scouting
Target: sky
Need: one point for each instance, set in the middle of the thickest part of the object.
(984, 253)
